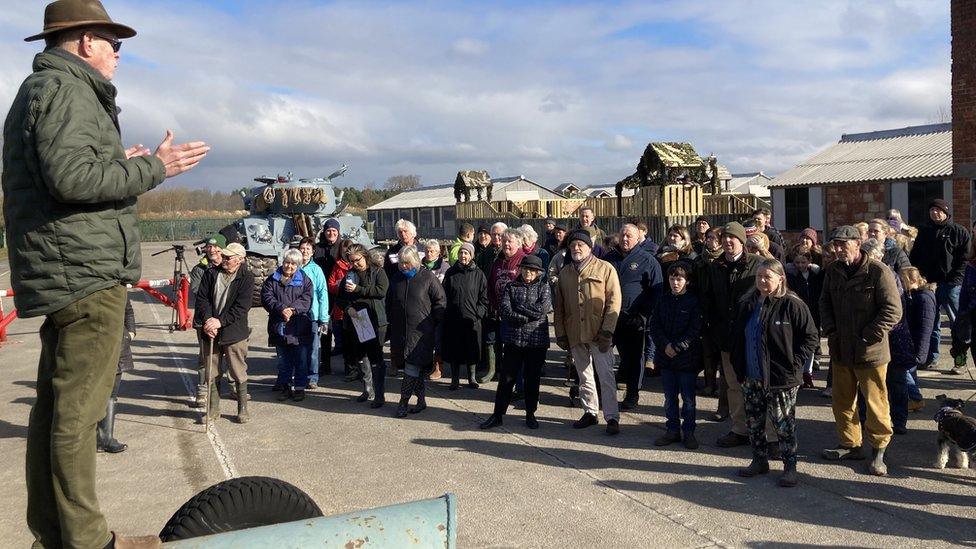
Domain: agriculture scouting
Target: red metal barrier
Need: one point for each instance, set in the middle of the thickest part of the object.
(181, 315)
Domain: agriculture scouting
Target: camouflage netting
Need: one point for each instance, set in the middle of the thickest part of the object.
(667, 164)
(472, 179)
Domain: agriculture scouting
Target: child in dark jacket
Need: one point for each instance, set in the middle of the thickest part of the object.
(675, 327)
(805, 279)
(909, 342)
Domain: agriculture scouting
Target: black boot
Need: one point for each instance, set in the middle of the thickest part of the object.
(759, 466)
(106, 430)
(492, 421)
(242, 398)
(788, 480)
(455, 377)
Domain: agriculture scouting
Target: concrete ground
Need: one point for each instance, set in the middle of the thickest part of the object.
(554, 487)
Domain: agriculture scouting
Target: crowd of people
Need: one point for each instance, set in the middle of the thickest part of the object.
(736, 303)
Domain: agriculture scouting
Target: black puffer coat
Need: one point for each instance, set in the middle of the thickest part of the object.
(466, 290)
(524, 310)
(415, 308)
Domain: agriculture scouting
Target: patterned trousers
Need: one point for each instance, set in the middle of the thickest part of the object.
(778, 406)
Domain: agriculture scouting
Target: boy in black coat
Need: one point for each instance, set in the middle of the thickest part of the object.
(675, 328)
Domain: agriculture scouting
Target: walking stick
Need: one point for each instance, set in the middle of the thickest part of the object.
(206, 409)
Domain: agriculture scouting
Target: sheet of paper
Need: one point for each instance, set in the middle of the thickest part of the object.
(364, 328)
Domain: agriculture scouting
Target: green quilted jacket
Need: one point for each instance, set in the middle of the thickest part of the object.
(69, 192)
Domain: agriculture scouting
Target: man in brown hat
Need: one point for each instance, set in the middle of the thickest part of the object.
(70, 201)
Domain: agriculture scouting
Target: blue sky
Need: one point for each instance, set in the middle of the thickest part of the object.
(556, 91)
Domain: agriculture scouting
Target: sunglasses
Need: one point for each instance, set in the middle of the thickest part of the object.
(115, 42)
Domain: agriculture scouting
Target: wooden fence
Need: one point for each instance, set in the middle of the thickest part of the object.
(733, 204)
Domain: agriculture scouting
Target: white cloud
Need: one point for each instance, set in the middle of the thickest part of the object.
(557, 92)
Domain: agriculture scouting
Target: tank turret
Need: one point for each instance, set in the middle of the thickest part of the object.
(285, 209)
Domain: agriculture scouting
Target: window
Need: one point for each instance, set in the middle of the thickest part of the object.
(920, 193)
(406, 214)
(426, 218)
(797, 206)
(387, 218)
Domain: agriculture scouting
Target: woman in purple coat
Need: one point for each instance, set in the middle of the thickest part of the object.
(287, 296)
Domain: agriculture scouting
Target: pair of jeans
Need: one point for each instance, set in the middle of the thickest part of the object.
(677, 383)
(292, 366)
(80, 346)
(374, 375)
(897, 395)
(528, 362)
(947, 298)
(313, 353)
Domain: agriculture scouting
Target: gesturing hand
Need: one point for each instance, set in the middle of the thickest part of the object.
(137, 150)
(180, 158)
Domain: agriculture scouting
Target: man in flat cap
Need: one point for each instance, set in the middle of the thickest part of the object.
(70, 193)
(858, 307)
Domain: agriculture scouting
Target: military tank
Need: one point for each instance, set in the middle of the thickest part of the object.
(285, 209)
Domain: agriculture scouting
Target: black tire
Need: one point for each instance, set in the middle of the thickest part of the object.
(239, 503)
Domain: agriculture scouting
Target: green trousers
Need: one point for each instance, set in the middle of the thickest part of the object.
(80, 347)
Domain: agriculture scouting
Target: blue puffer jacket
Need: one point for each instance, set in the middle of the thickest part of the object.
(677, 321)
(523, 309)
(276, 297)
(909, 339)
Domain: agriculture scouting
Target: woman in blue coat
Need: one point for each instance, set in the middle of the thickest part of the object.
(909, 344)
(287, 296)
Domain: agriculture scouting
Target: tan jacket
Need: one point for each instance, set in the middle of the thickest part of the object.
(586, 304)
(857, 312)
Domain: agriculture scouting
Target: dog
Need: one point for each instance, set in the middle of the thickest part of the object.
(956, 431)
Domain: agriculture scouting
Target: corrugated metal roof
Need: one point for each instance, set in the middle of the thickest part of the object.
(918, 152)
(611, 190)
(443, 195)
(750, 183)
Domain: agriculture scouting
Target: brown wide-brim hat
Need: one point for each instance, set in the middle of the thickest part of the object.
(73, 14)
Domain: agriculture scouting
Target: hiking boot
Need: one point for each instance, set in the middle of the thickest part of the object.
(201, 399)
(420, 407)
(788, 480)
(587, 420)
(773, 451)
(731, 440)
(285, 394)
(759, 466)
(298, 395)
(669, 437)
(877, 466)
(613, 426)
(916, 405)
(629, 402)
(843, 453)
(492, 421)
(690, 441)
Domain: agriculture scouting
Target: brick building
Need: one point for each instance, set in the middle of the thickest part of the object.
(964, 109)
(865, 174)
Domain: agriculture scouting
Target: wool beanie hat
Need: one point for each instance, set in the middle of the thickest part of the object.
(811, 234)
(467, 246)
(580, 235)
(736, 230)
(940, 204)
(332, 223)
